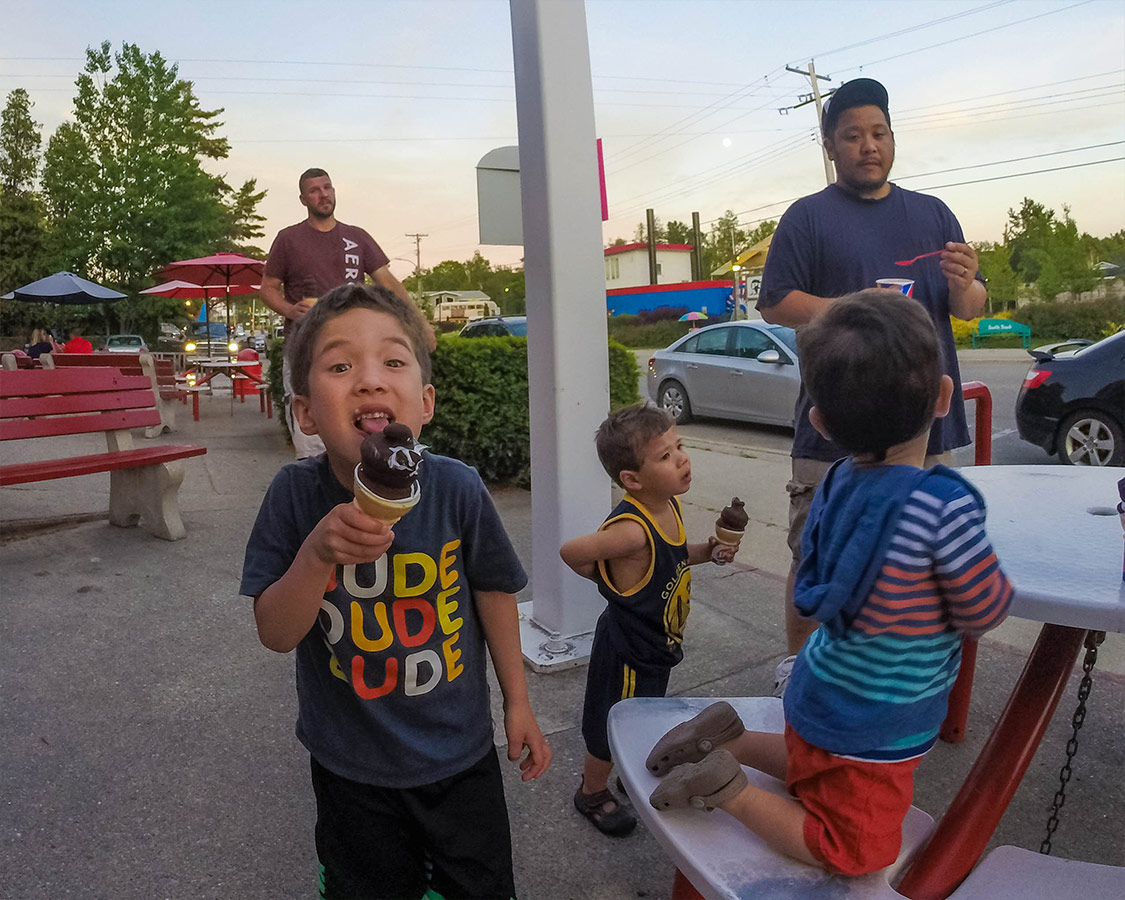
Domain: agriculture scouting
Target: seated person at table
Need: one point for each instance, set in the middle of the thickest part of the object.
(897, 569)
(41, 342)
(391, 624)
(639, 560)
(77, 343)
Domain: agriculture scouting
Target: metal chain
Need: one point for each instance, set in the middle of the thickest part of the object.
(1093, 639)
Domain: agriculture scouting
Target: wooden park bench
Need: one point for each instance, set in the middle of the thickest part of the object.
(143, 483)
(160, 372)
(1001, 328)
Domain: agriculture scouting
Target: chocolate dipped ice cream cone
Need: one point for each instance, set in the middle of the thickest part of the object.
(386, 478)
(731, 524)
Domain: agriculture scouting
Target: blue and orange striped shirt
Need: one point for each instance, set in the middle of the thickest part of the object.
(874, 683)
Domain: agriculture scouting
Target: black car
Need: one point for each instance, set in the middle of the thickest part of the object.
(1072, 402)
(496, 326)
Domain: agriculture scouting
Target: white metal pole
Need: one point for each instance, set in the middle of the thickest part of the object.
(566, 312)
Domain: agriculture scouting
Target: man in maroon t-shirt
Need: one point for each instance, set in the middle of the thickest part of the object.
(309, 259)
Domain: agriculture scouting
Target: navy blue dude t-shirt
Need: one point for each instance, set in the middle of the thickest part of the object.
(834, 243)
(391, 680)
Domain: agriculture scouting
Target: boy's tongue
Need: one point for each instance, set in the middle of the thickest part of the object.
(373, 425)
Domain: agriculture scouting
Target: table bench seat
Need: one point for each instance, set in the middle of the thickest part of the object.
(144, 482)
(46, 470)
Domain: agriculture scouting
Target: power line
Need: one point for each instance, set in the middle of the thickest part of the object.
(901, 32)
(963, 37)
(1097, 162)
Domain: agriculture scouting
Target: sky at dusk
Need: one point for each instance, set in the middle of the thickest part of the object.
(399, 100)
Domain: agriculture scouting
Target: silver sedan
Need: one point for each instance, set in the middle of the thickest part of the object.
(736, 370)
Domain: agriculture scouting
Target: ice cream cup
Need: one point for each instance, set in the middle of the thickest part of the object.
(729, 537)
(904, 286)
(311, 301)
(389, 511)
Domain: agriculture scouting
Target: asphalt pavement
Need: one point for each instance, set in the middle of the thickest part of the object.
(147, 746)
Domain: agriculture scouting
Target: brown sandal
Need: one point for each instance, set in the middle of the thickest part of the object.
(701, 785)
(616, 822)
(692, 740)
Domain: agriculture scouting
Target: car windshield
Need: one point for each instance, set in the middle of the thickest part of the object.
(787, 336)
(518, 329)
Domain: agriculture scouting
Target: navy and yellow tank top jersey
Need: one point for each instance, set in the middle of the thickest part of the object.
(646, 620)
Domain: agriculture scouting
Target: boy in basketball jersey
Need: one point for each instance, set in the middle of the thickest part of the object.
(639, 560)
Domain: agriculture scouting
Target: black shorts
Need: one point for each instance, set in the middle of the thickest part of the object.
(610, 678)
(451, 836)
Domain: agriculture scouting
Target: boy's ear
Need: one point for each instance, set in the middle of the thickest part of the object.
(817, 422)
(945, 397)
(427, 403)
(302, 412)
(630, 480)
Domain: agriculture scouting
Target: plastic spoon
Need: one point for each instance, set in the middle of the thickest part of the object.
(910, 262)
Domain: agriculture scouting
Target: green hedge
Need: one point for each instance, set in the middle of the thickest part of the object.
(631, 332)
(481, 415)
(1053, 321)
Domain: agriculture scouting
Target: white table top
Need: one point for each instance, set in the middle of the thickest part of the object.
(1064, 560)
(720, 857)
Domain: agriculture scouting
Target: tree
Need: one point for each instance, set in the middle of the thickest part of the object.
(678, 233)
(21, 211)
(125, 187)
(1047, 251)
(762, 231)
(996, 266)
(640, 233)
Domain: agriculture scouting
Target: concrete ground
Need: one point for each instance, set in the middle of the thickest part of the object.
(147, 748)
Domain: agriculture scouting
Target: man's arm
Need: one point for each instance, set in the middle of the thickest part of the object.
(499, 620)
(620, 539)
(795, 309)
(385, 279)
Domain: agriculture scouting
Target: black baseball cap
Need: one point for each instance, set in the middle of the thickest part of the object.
(857, 92)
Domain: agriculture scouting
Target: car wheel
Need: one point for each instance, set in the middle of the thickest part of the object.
(674, 401)
(1091, 438)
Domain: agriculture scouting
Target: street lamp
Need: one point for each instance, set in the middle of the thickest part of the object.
(735, 269)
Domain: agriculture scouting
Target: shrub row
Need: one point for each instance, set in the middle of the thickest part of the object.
(1050, 321)
(481, 416)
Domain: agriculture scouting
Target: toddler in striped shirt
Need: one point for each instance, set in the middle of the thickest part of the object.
(897, 569)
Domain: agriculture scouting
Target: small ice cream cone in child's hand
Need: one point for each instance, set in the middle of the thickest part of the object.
(386, 478)
(729, 529)
(731, 524)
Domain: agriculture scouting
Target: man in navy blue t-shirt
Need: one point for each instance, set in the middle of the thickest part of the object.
(841, 240)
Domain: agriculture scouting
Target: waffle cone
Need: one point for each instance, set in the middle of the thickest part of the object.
(728, 536)
(389, 511)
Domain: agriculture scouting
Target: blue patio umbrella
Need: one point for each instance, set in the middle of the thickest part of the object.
(64, 287)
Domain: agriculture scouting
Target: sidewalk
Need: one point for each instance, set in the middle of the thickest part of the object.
(148, 749)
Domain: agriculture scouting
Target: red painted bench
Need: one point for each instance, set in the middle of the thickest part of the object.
(161, 372)
(143, 483)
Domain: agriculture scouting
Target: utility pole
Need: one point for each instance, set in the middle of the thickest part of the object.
(829, 171)
(418, 264)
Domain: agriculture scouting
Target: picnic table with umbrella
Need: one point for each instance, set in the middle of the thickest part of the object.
(233, 273)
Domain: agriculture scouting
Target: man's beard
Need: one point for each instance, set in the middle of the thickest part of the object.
(317, 214)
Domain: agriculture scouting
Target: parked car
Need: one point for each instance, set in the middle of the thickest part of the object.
(1072, 402)
(496, 326)
(736, 370)
(210, 339)
(125, 343)
(171, 338)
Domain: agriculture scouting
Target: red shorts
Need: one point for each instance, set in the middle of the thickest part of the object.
(854, 809)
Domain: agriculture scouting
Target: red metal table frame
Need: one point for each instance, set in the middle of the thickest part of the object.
(228, 368)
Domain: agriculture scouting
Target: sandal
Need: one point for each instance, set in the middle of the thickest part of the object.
(692, 740)
(616, 822)
(701, 785)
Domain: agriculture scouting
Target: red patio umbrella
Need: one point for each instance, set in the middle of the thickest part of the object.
(221, 270)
